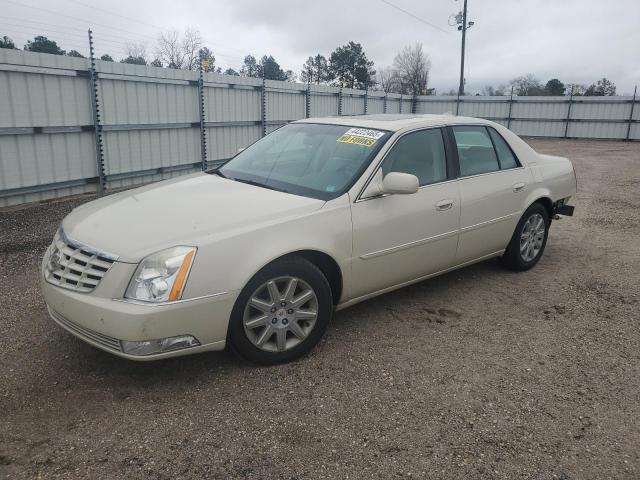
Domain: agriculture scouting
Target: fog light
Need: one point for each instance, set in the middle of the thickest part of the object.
(149, 347)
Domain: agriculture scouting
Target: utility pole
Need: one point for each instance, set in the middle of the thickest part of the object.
(463, 26)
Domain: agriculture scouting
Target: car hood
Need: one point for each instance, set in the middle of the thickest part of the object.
(190, 210)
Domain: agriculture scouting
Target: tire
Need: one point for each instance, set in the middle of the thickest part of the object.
(257, 321)
(524, 251)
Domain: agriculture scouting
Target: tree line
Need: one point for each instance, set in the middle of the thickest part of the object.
(529, 85)
(346, 66)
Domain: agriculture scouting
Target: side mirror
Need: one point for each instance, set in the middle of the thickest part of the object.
(400, 183)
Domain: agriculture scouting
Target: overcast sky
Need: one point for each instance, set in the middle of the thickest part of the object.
(575, 40)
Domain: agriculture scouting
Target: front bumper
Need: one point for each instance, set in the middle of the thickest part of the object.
(104, 322)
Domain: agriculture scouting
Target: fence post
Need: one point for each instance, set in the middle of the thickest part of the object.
(384, 104)
(566, 126)
(203, 133)
(633, 104)
(366, 97)
(263, 110)
(97, 123)
(307, 107)
(510, 109)
(340, 101)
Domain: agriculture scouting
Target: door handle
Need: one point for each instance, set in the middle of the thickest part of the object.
(518, 187)
(444, 205)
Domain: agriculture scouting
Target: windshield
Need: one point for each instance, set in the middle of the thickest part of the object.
(314, 160)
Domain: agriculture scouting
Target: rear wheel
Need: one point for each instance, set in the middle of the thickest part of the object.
(529, 239)
(281, 313)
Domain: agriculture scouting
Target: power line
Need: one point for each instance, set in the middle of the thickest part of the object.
(80, 31)
(55, 32)
(214, 46)
(116, 14)
(83, 20)
(414, 16)
(160, 29)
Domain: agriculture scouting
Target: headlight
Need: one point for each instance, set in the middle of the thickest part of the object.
(161, 277)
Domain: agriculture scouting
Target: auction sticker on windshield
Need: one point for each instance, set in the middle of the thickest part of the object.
(361, 136)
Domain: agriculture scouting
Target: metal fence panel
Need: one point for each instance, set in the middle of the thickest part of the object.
(28, 162)
(375, 102)
(352, 102)
(44, 93)
(285, 101)
(225, 141)
(437, 105)
(601, 108)
(324, 100)
(485, 107)
(159, 123)
(393, 103)
(540, 108)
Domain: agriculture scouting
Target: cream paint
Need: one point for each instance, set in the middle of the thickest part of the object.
(379, 243)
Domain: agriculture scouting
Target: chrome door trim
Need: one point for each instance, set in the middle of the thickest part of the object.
(489, 222)
(404, 246)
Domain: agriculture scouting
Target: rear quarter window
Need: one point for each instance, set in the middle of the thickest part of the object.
(505, 155)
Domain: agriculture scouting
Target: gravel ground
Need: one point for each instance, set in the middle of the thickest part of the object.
(480, 373)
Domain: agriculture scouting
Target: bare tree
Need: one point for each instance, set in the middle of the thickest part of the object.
(527, 85)
(176, 52)
(191, 43)
(137, 51)
(492, 91)
(168, 49)
(387, 80)
(412, 66)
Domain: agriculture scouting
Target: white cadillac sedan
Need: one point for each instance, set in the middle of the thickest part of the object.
(317, 216)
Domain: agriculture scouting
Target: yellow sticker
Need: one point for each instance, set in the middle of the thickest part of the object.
(355, 140)
(361, 136)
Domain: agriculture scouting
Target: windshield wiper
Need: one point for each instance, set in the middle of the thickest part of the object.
(258, 184)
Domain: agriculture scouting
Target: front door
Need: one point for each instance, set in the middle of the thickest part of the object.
(399, 238)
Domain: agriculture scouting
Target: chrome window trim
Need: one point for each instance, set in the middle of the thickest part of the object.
(490, 173)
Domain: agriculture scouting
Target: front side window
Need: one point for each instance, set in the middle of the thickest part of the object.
(421, 154)
(475, 150)
(314, 160)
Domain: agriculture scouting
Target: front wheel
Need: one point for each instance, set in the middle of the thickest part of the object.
(281, 313)
(529, 239)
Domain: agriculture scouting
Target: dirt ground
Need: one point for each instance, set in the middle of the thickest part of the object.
(480, 373)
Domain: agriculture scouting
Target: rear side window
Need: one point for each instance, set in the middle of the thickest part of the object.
(421, 154)
(475, 150)
(505, 155)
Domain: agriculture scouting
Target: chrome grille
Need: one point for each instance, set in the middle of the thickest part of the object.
(84, 333)
(75, 266)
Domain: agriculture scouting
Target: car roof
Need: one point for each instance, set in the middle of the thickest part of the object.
(394, 121)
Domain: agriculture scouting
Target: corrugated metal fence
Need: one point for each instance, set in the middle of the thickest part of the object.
(153, 123)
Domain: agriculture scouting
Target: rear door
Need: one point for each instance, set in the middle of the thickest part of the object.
(493, 186)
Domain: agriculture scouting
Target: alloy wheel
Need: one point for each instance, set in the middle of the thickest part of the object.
(532, 237)
(280, 314)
